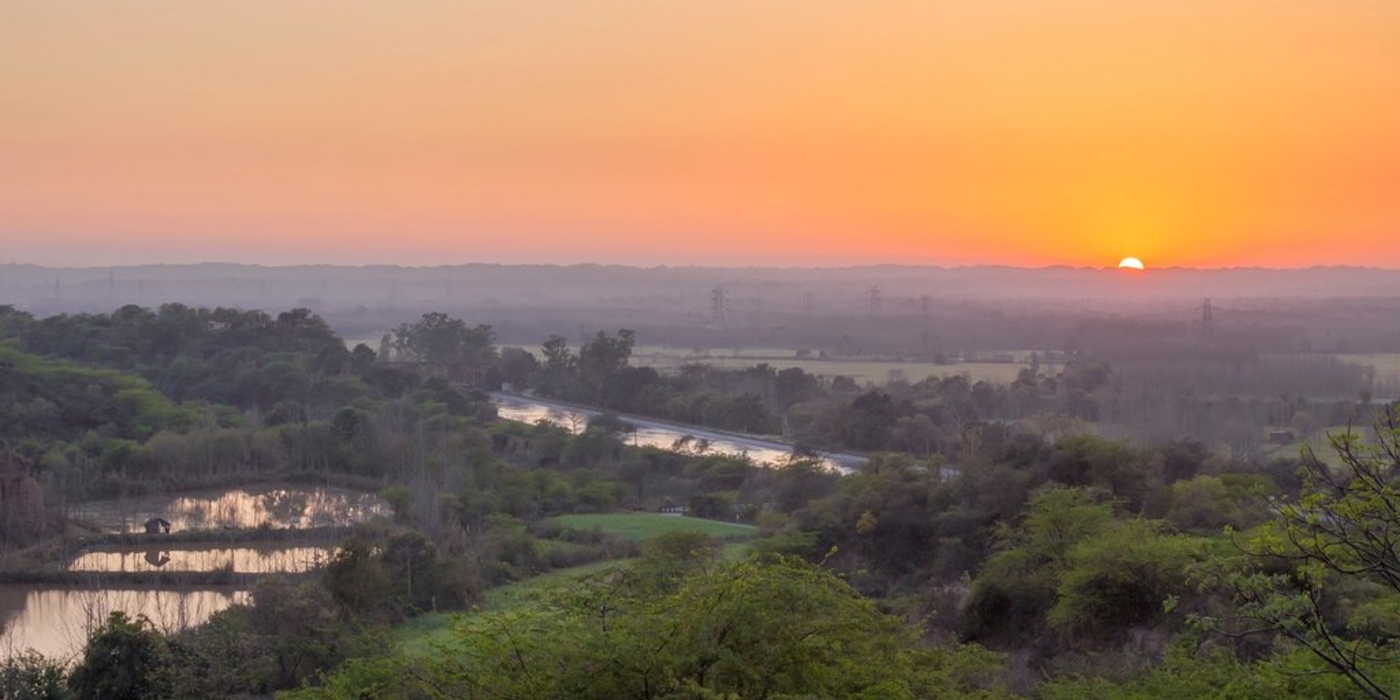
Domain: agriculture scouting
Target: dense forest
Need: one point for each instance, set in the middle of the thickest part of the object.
(995, 543)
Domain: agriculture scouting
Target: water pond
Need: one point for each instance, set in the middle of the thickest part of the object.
(253, 559)
(57, 621)
(240, 508)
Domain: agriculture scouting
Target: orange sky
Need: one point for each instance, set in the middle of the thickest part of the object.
(1024, 132)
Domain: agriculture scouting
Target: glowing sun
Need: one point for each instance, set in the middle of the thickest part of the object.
(1130, 264)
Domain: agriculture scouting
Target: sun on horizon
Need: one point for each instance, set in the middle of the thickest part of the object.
(787, 132)
(1131, 264)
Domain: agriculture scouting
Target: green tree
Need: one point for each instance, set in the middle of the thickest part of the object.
(1017, 584)
(437, 338)
(356, 579)
(1076, 567)
(31, 676)
(601, 359)
(779, 628)
(125, 659)
(1325, 574)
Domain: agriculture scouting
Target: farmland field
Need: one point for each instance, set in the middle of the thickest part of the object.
(1320, 444)
(1386, 365)
(671, 359)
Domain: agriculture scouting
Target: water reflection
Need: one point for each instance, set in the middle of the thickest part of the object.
(57, 621)
(665, 436)
(279, 507)
(243, 560)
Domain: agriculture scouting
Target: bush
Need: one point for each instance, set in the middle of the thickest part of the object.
(32, 676)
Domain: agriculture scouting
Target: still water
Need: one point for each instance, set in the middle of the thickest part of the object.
(665, 435)
(241, 508)
(253, 559)
(57, 621)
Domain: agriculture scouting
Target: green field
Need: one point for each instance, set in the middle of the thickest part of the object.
(418, 635)
(1320, 444)
(644, 526)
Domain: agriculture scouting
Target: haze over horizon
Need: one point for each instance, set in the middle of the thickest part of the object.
(701, 266)
(787, 133)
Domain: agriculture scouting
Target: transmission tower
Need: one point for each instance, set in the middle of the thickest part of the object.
(874, 295)
(717, 308)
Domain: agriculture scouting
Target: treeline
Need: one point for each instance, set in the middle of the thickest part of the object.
(924, 417)
(140, 401)
(1226, 396)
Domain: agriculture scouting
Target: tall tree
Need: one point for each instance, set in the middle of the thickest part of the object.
(437, 338)
(1325, 574)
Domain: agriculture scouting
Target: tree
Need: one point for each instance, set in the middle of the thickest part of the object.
(516, 365)
(298, 628)
(1325, 573)
(437, 338)
(31, 676)
(916, 434)
(1075, 566)
(776, 628)
(871, 418)
(356, 579)
(602, 358)
(126, 659)
(557, 356)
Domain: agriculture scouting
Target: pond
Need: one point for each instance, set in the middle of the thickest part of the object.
(665, 435)
(239, 508)
(57, 621)
(252, 559)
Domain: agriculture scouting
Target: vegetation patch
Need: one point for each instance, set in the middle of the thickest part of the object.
(646, 526)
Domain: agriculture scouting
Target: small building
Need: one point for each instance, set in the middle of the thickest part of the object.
(1281, 436)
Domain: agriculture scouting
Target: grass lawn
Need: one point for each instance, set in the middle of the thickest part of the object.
(644, 526)
(418, 635)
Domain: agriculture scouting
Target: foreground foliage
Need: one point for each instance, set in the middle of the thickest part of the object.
(1325, 575)
(780, 628)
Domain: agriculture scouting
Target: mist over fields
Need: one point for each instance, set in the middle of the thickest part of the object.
(900, 310)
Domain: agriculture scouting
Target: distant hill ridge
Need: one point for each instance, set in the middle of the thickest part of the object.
(493, 285)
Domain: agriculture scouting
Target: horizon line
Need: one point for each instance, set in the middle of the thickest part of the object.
(636, 266)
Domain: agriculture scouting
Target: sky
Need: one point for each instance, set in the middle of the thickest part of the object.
(732, 132)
